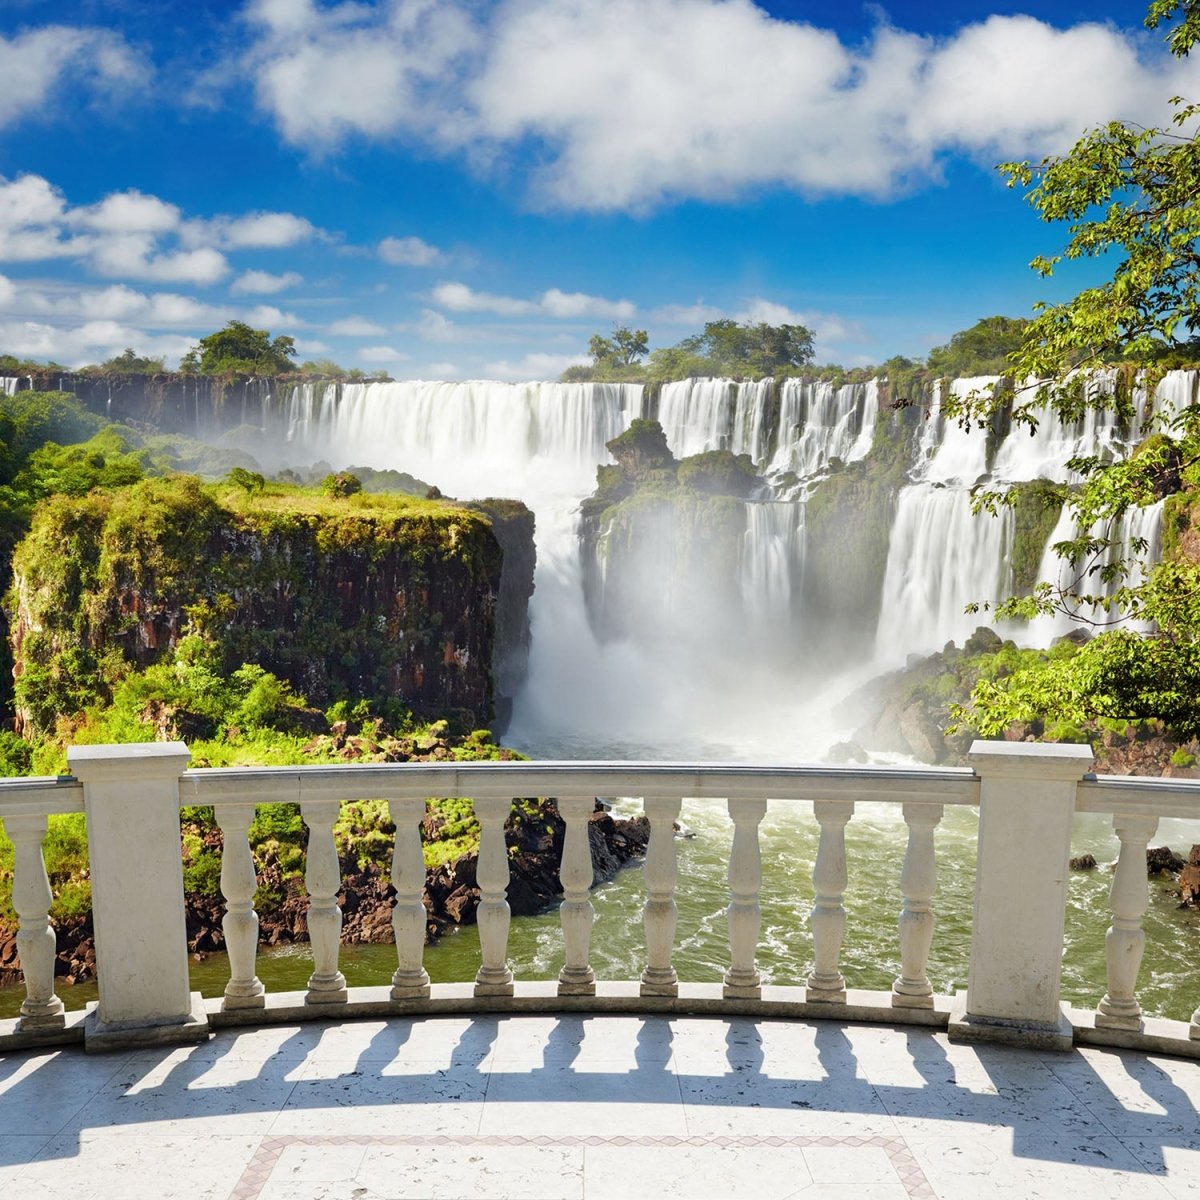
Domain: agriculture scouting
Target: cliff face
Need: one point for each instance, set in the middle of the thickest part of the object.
(365, 597)
(203, 406)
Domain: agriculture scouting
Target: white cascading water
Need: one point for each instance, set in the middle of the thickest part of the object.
(771, 566)
(715, 414)
(818, 423)
(8, 385)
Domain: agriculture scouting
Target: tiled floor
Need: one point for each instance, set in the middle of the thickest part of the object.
(593, 1108)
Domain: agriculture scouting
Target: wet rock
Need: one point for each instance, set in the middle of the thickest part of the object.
(846, 752)
(1083, 862)
(1189, 880)
(1163, 858)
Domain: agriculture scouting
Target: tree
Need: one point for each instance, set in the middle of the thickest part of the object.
(984, 349)
(129, 363)
(625, 347)
(238, 349)
(1130, 194)
(731, 348)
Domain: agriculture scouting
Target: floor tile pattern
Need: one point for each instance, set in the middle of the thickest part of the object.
(596, 1108)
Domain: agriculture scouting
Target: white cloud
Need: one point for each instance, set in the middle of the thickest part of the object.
(432, 326)
(267, 316)
(409, 252)
(90, 342)
(259, 230)
(458, 297)
(130, 212)
(264, 283)
(570, 305)
(581, 90)
(132, 256)
(399, 56)
(304, 346)
(45, 69)
(535, 366)
(355, 326)
(381, 354)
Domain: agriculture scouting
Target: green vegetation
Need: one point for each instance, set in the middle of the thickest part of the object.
(240, 350)
(731, 348)
(984, 349)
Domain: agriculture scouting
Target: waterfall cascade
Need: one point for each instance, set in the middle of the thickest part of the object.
(698, 641)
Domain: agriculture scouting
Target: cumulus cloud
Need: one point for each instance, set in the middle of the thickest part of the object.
(35, 63)
(355, 326)
(93, 341)
(535, 366)
(580, 90)
(409, 252)
(400, 55)
(133, 235)
(263, 283)
(381, 354)
(459, 297)
(259, 230)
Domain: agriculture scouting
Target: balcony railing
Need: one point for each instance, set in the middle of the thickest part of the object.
(1026, 795)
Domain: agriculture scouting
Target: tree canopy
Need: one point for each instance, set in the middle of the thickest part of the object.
(1130, 195)
(984, 349)
(239, 349)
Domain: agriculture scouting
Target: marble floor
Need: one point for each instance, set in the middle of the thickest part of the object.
(589, 1108)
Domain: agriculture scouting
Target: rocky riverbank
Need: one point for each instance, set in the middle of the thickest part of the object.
(534, 835)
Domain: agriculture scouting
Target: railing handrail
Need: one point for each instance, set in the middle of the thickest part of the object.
(1026, 797)
(504, 780)
(40, 795)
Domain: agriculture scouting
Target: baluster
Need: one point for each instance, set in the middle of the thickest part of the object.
(1125, 940)
(825, 984)
(918, 884)
(1194, 1032)
(240, 923)
(742, 980)
(323, 877)
(493, 978)
(660, 914)
(411, 980)
(576, 978)
(31, 897)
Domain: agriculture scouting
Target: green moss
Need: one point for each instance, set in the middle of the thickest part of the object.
(1036, 508)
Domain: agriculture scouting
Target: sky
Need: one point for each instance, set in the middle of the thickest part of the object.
(453, 189)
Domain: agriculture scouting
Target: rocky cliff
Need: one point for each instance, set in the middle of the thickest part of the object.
(365, 596)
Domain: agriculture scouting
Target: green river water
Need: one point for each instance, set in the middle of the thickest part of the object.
(1170, 977)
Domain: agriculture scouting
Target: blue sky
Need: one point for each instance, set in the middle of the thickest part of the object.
(457, 189)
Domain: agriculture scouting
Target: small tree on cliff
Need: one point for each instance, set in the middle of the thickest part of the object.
(239, 349)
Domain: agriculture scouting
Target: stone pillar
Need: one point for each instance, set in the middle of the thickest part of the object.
(131, 798)
(1026, 803)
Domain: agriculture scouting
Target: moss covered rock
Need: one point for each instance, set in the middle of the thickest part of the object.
(363, 596)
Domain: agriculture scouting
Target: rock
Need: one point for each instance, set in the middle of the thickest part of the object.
(922, 734)
(983, 641)
(1189, 881)
(1079, 636)
(1083, 862)
(1163, 858)
(845, 752)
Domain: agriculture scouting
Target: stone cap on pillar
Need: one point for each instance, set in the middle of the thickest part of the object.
(1063, 761)
(133, 760)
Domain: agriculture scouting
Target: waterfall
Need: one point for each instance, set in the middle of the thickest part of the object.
(772, 557)
(715, 414)
(941, 557)
(687, 629)
(8, 384)
(818, 423)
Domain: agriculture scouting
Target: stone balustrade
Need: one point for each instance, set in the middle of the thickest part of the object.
(1026, 796)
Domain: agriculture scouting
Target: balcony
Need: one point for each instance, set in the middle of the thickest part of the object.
(535, 1087)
